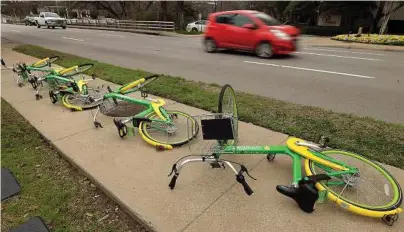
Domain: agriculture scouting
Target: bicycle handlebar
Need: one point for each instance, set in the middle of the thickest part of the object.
(241, 179)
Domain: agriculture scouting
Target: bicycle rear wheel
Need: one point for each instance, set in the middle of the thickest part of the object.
(79, 102)
(374, 192)
(80, 69)
(160, 133)
(228, 108)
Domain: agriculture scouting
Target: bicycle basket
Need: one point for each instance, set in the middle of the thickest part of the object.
(217, 132)
(119, 108)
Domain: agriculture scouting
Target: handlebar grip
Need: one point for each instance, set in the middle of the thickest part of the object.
(247, 189)
(173, 181)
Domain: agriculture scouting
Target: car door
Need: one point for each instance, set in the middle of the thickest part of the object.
(241, 37)
(222, 22)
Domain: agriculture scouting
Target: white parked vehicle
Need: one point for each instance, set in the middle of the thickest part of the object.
(50, 19)
(197, 26)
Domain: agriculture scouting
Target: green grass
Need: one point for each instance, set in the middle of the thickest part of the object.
(51, 187)
(374, 139)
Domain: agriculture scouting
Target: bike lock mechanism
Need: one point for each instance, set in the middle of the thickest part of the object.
(215, 163)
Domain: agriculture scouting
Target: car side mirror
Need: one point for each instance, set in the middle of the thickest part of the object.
(250, 26)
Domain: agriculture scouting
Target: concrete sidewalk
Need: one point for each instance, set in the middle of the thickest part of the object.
(318, 41)
(135, 174)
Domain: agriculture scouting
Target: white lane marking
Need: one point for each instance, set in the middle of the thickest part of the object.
(73, 39)
(113, 35)
(332, 50)
(347, 57)
(310, 69)
(16, 31)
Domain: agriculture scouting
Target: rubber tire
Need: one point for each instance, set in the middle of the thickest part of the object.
(220, 107)
(53, 27)
(194, 29)
(394, 206)
(65, 97)
(37, 24)
(142, 126)
(262, 44)
(64, 27)
(214, 43)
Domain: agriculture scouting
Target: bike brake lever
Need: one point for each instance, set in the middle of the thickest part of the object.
(173, 169)
(244, 169)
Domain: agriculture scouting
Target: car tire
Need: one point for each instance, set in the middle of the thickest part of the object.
(53, 27)
(64, 27)
(210, 45)
(37, 24)
(264, 50)
(194, 29)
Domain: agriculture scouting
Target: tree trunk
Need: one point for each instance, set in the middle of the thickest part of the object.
(383, 28)
(378, 16)
(164, 10)
(180, 15)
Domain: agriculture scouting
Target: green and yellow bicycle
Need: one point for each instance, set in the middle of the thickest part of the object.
(351, 181)
(62, 84)
(24, 72)
(161, 128)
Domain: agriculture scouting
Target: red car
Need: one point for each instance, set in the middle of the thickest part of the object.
(249, 30)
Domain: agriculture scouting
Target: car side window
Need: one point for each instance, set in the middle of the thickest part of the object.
(239, 20)
(224, 18)
(197, 23)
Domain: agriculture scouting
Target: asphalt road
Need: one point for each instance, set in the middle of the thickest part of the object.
(362, 82)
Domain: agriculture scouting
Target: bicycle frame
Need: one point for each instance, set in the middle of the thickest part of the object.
(152, 105)
(320, 159)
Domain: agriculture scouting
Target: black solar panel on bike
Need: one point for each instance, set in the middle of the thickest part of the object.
(217, 129)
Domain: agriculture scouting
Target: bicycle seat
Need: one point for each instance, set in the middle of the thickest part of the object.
(306, 194)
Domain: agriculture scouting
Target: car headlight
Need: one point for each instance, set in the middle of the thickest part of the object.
(281, 35)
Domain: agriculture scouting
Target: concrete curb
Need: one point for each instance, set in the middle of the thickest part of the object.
(349, 46)
(160, 33)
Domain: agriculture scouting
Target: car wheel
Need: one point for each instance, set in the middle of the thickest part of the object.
(64, 27)
(194, 29)
(264, 50)
(37, 24)
(53, 27)
(210, 45)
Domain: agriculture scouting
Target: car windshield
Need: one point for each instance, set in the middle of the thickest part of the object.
(268, 20)
(52, 15)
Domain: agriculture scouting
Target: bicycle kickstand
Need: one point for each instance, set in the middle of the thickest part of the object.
(96, 123)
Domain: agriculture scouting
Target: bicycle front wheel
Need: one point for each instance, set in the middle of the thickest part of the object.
(373, 192)
(228, 108)
(184, 129)
(79, 102)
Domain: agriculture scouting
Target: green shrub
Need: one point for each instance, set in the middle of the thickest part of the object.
(397, 40)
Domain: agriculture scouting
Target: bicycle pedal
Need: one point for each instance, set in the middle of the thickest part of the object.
(390, 219)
